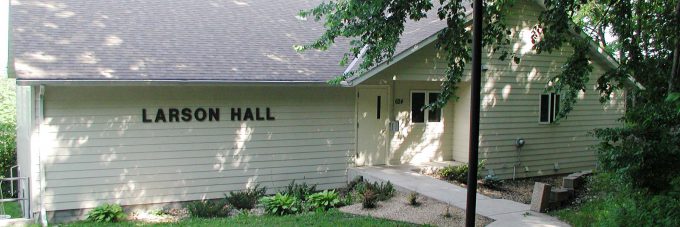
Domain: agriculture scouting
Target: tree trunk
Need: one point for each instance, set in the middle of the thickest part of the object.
(675, 70)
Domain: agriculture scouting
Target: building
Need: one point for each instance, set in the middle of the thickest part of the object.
(142, 102)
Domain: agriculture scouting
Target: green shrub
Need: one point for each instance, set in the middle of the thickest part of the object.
(7, 100)
(324, 200)
(456, 173)
(644, 152)
(281, 204)
(492, 182)
(369, 200)
(384, 191)
(208, 208)
(608, 202)
(246, 199)
(412, 199)
(8, 154)
(459, 173)
(106, 213)
(300, 191)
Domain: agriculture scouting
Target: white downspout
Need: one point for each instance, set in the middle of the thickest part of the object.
(41, 117)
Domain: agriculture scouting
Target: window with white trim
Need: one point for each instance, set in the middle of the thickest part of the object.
(418, 101)
(549, 107)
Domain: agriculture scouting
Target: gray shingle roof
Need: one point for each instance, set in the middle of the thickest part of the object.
(226, 40)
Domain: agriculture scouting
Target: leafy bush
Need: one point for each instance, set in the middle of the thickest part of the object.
(208, 208)
(412, 199)
(281, 204)
(382, 191)
(370, 199)
(459, 173)
(106, 213)
(300, 191)
(492, 182)
(324, 200)
(8, 153)
(246, 199)
(646, 151)
(609, 203)
(7, 100)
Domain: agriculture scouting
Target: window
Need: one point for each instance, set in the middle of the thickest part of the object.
(418, 100)
(550, 106)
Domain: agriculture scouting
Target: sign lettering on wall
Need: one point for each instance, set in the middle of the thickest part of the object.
(201, 114)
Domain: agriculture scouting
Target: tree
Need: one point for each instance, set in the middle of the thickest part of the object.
(374, 28)
(645, 37)
(641, 34)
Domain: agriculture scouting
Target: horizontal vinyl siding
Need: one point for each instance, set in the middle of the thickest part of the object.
(97, 149)
(510, 108)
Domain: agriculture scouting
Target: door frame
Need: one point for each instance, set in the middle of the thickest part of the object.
(388, 135)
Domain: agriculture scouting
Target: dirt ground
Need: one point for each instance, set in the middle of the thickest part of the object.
(429, 211)
(518, 190)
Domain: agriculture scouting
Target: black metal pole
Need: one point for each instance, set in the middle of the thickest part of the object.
(471, 205)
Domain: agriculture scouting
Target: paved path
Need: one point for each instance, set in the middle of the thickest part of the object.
(506, 213)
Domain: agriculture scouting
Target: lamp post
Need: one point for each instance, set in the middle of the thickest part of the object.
(471, 204)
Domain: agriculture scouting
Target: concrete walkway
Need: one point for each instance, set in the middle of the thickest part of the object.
(505, 212)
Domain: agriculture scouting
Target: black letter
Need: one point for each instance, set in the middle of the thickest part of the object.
(257, 115)
(199, 117)
(248, 115)
(173, 115)
(269, 115)
(144, 119)
(186, 114)
(160, 115)
(235, 114)
(214, 114)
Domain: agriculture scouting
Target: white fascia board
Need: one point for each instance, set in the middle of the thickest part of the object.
(355, 80)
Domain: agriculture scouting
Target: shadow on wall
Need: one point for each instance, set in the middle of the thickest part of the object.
(98, 151)
(510, 109)
(417, 143)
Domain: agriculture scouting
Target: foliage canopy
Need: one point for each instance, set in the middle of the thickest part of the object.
(641, 36)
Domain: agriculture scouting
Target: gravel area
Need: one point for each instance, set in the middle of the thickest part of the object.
(429, 211)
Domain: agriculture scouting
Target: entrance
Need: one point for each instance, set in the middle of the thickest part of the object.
(372, 124)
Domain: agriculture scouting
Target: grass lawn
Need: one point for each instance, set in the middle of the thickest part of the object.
(330, 218)
(13, 209)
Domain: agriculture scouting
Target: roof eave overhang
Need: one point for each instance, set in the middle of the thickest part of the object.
(75, 82)
(358, 79)
(355, 80)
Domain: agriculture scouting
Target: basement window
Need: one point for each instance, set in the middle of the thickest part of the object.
(418, 101)
(549, 107)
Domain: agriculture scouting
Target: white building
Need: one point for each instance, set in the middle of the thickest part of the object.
(153, 102)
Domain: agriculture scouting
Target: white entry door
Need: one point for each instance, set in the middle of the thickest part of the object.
(372, 119)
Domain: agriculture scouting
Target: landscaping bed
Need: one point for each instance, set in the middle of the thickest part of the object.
(427, 211)
(330, 218)
(518, 190)
(360, 204)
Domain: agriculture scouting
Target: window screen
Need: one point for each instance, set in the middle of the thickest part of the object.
(417, 103)
(433, 115)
